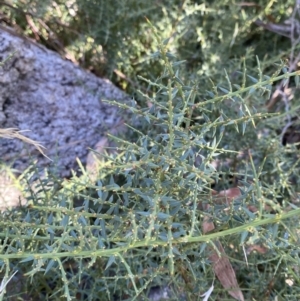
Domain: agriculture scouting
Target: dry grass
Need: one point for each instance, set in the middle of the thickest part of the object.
(13, 133)
(10, 188)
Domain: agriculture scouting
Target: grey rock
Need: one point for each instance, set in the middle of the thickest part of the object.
(57, 101)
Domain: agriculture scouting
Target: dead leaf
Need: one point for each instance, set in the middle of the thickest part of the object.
(226, 196)
(207, 225)
(225, 273)
(221, 265)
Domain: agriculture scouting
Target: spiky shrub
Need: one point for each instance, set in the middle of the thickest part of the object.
(140, 225)
(112, 38)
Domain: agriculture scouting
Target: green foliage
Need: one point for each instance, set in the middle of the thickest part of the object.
(113, 39)
(203, 124)
(140, 224)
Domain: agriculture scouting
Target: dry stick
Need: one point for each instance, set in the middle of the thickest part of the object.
(289, 29)
(293, 64)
